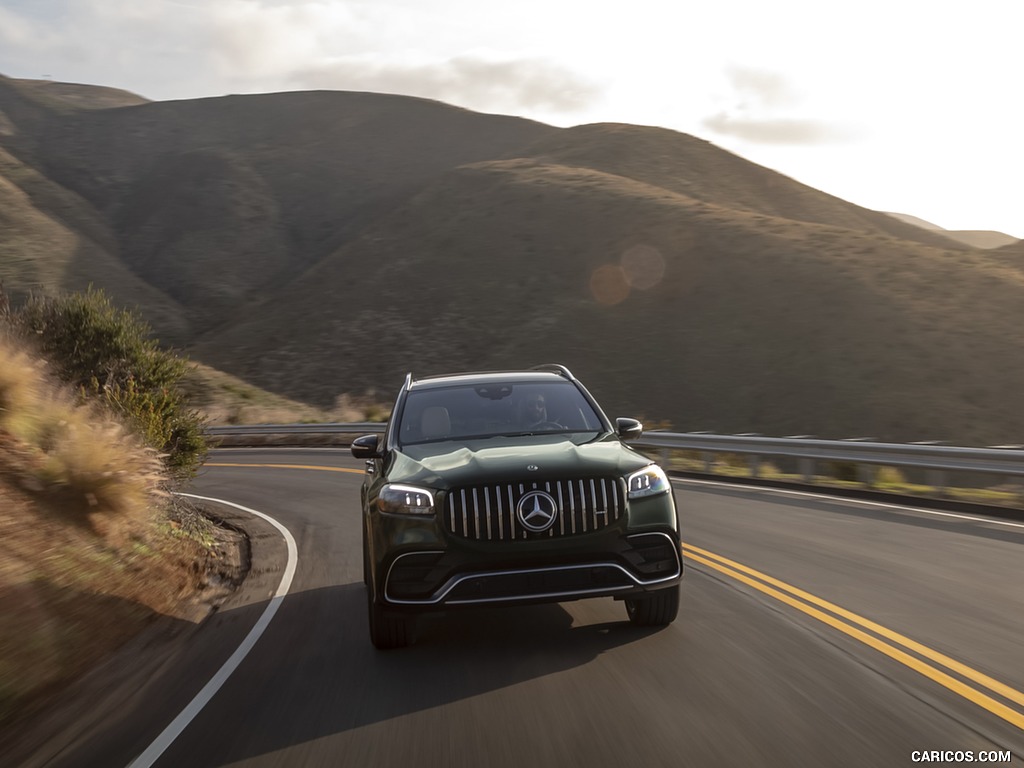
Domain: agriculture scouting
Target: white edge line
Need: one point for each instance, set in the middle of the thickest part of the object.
(172, 731)
(828, 497)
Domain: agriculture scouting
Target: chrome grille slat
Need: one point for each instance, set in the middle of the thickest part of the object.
(511, 515)
(593, 496)
(476, 515)
(501, 515)
(487, 512)
(572, 508)
(590, 504)
(561, 518)
(583, 505)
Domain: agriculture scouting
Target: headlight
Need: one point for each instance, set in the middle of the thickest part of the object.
(406, 500)
(649, 481)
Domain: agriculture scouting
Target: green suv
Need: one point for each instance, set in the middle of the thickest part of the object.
(511, 488)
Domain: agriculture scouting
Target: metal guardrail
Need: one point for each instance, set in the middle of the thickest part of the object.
(936, 460)
(360, 427)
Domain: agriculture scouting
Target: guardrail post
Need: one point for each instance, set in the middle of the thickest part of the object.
(709, 461)
(936, 478)
(866, 474)
(755, 465)
(666, 458)
(807, 469)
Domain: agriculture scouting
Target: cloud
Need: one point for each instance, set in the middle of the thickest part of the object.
(766, 89)
(185, 48)
(469, 81)
(776, 130)
(760, 112)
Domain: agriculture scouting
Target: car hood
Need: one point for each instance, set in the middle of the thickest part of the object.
(446, 464)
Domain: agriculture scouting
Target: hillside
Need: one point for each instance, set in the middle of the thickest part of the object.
(327, 242)
(696, 168)
(981, 238)
(274, 182)
(74, 96)
(789, 326)
(975, 238)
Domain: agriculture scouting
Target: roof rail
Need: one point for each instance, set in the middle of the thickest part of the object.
(561, 370)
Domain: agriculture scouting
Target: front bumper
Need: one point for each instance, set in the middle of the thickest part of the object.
(606, 564)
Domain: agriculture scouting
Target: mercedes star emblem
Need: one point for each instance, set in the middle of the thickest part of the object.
(537, 511)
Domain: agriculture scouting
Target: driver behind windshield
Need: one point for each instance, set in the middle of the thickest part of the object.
(533, 411)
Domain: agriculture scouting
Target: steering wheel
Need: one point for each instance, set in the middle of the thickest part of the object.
(546, 425)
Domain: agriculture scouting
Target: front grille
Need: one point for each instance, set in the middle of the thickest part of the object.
(488, 512)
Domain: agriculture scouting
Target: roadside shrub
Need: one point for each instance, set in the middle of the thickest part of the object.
(733, 460)
(98, 464)
(72, 448)
(107, 354)
(18, 391)
(889, 476)
(350, 407)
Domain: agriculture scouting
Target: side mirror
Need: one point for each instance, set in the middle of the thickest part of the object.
(367, 447)
(628, 429)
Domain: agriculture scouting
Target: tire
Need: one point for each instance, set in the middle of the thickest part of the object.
(366, 561)
(387, 629)
(655, 610)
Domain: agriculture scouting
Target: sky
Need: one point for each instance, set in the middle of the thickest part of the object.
(911, 106)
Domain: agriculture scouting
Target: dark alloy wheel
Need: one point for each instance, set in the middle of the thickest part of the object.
(654, 610)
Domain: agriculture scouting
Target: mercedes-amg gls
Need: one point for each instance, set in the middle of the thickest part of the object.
(509, 488)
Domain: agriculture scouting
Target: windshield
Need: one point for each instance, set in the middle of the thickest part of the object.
(504, 408)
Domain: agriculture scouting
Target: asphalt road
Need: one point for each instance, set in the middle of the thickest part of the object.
(812, 632)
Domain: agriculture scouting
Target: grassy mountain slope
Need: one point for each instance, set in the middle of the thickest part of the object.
(757, 323)
(195, 189)
(53, 240)
(693, 167)
(981, 238)
(970, 237)
(75, 96)
(326, 242)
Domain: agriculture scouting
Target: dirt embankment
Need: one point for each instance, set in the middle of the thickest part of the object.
(76, 587)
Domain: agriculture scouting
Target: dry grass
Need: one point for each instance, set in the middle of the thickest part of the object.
(226, 399)
(99, 469)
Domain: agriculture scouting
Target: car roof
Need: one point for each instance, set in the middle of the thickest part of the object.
(484, 377)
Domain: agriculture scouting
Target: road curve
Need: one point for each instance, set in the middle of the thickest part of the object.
(812, 631)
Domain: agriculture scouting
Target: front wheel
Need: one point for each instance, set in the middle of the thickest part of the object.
(388, 629)
(654, 610)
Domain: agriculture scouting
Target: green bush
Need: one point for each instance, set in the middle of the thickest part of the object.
(107, 354)
(889, 476)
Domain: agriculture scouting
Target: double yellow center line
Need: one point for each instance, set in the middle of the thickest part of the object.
(882, 639)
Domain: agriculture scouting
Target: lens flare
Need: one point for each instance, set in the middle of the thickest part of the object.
(608, 285)
(643, 266)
